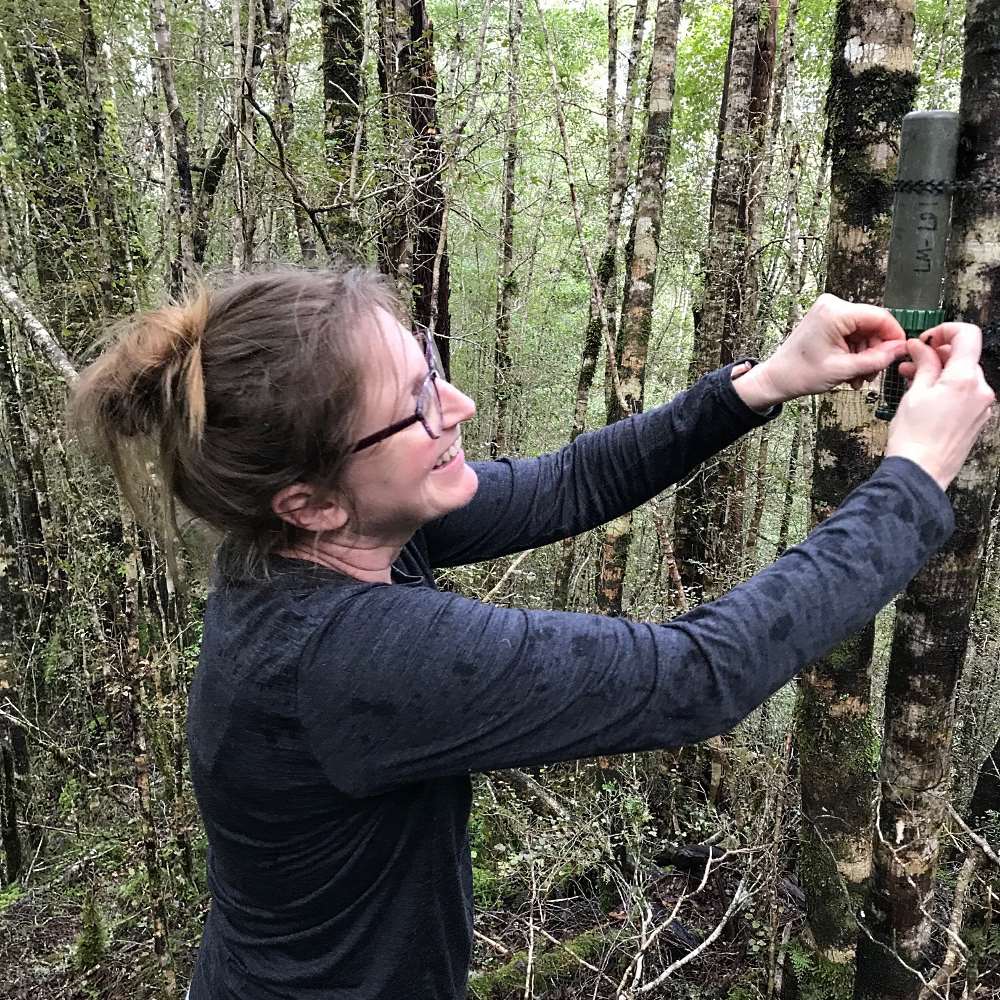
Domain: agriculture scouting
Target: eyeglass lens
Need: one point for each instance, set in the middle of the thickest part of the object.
(430, 401)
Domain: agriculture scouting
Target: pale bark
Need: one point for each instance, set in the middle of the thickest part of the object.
(872, 86)
(933, 616)
(37, 331)
(600, 320)
(636, 323)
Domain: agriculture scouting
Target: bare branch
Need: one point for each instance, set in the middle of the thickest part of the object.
(36, 330)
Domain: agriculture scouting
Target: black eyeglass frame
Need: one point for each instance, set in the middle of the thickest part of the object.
(433, 373)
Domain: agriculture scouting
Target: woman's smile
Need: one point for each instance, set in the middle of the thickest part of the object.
(449, 457)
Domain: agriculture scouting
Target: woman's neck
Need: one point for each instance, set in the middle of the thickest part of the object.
(361, 558)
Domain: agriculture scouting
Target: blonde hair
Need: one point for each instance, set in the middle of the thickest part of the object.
(234, 394)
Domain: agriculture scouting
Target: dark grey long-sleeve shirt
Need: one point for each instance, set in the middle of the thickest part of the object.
(333, 723)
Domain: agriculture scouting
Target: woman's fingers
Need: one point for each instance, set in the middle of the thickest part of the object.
(926, 363)
(864, 321)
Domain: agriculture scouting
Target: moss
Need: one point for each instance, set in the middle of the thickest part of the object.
(549, 967)
(865, 110)
(91, 943)
(820, 979)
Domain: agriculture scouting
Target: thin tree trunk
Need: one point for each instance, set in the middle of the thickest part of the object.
(506, 284)
(118, 278)
(431, 265)
(395, 235)
(636, 321)
(709, 516)
(793, 471)
(932, 619)
(872, 86)
(341, 24)
(279, 23)
(760, 499)
(176, 147)
(619, 146)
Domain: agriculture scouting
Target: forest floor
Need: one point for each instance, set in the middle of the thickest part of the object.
(40, 932)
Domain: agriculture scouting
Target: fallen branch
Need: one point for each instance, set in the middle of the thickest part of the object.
(548, 803)
(37, 331)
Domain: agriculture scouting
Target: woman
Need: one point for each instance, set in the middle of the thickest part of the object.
(341, 701)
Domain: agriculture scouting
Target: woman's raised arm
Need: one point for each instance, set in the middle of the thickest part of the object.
(466, 686)
(524, 503)
(602, 475)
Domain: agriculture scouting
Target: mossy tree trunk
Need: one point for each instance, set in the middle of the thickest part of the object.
(641, 255)
(506, 282)
(872, 87)
(709, 518)
(341, 25)
(932, 620)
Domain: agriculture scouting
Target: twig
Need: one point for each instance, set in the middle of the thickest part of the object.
(507, 572)
(957, 948)
(981, 842)
(283, 166)
(525, 783)
(739, 898)
(495, 945)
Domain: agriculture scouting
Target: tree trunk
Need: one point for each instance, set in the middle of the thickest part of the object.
(619, 146)
(341, 23)
(118, 282)
(431, 269)
(872, 86)
(709, 516)
(760, 498)
(933, 616)
(176, 147)
(636, 321)
(506, 283)
(279, 24)
(44, 98)
(793, 470)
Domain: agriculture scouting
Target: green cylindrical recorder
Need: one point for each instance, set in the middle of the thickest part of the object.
(921, 217)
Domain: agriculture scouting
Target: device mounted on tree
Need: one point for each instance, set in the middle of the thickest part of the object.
(921, 218)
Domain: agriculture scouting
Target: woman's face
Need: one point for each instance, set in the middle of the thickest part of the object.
(404, 481)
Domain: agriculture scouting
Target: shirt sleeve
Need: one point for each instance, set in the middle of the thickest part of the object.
(405, 684)
(524, 503)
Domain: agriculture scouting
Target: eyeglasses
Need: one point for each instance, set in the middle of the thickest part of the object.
(428, 410)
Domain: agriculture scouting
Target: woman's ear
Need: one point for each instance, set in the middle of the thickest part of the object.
(302, 505)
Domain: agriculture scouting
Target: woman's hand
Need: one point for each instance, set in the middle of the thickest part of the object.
(835, 342)
(947, 404)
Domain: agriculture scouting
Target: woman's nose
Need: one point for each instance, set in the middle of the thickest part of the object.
(455, 405)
